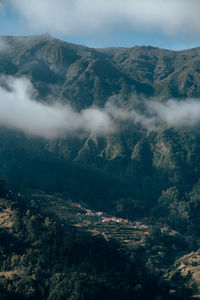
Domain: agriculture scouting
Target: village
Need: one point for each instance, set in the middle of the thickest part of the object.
(127, 232)
(106, 219)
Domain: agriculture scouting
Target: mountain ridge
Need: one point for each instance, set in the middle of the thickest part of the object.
(135, 172)
(137, 167)
(92, 75)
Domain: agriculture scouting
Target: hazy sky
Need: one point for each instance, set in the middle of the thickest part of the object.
(171, 24)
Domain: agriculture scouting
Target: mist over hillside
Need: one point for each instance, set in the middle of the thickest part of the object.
(123, 116)
(115, 130)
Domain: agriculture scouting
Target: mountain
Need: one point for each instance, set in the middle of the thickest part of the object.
(86, 76)
(135, 172)
(130, 171)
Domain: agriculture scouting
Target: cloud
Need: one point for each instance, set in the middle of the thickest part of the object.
(2, 5)
(69, 17)
(19, 110)
(4, 47)
(185, 113)
(146, 119)
(155, 115)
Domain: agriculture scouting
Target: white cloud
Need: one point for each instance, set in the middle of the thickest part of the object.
(19, 110)
(116, 112)
(90, 16)
(185, 113)
(4, 47)
(1, 7)
(156, 115)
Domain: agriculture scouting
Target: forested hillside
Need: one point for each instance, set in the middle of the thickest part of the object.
(145, 166)
(134, 170)
(44, 259)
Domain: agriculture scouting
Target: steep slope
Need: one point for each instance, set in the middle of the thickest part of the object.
(134, 172)
(86, 76)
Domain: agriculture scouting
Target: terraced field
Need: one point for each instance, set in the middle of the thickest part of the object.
(69, 212)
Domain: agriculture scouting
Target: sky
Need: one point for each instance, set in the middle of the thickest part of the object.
(172, 24)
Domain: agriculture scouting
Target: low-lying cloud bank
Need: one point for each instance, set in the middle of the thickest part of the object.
(185, 113)
(156, 115)
(20, 110)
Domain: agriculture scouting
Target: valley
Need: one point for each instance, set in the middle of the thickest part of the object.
(106, 200)
(94, 222)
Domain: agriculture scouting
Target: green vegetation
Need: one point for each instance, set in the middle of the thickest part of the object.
(44, 259)
(132, 173)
